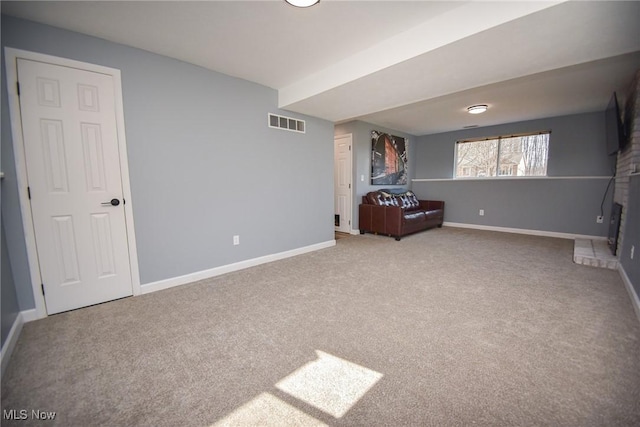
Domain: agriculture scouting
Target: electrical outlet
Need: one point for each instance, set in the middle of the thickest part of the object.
(599, 219)
(236, 240)
(481, 212)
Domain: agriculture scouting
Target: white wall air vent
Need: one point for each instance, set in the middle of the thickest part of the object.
(286, 123)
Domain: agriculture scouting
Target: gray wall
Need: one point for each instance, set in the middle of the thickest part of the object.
(632, 235)
(9, 300)
(9, 304)
(576, 149)
(361, 132)
(204, 165)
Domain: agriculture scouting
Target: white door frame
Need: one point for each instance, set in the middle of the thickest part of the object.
(11, 57)
(335, 138)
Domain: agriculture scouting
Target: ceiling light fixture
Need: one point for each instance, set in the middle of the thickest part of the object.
(477, 109)
(302, 3)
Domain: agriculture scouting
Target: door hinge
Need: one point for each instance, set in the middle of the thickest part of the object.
(18, 87)
(349, 185)
(42, 286)
(29, 192)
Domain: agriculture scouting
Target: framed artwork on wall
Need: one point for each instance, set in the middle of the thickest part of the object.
(388, 159)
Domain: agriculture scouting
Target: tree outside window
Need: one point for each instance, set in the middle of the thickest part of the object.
(519, 155)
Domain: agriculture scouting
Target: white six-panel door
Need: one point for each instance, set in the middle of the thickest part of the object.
(73, 169)
(342, 181)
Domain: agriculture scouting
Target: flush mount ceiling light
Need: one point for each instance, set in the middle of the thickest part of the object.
(477, 109)
(302, 3)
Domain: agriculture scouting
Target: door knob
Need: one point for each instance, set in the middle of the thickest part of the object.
(113, 202)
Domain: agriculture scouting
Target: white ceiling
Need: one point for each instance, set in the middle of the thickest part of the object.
(411, 66)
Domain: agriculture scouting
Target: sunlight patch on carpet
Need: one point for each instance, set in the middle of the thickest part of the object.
(329, 383)
(266, 410)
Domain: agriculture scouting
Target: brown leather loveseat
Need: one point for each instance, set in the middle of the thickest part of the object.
(398, 214)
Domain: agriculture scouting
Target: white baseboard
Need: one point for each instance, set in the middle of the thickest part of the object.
(14, 333)
(29, 315)
(11, 341)
(351, 231)
(206, 274)
(635, 301)
(556, 234)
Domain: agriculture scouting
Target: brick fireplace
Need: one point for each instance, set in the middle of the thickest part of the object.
(628, 161)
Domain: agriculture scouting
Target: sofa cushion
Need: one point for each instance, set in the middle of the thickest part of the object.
(438, 213)
(382, 198)
(408, 201)
(413, 198)
(414, 215)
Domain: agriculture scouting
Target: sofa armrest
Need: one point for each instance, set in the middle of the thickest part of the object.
(394, 215)
(371, 218)
(380, 219)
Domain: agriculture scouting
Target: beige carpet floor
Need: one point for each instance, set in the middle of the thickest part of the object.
(459, 327)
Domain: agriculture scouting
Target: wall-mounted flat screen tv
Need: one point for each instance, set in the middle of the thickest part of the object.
(615, 134)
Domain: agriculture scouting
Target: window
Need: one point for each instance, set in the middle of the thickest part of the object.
(513, 155)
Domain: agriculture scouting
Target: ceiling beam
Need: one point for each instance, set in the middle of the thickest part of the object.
(463, 21)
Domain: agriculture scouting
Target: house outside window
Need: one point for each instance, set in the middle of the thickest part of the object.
(513, 155)
(507, 170)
